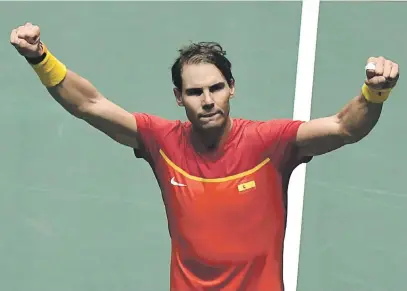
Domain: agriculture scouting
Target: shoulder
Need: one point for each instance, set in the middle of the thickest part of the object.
(157, 125)
(273, 137)
(155, 131)
(148, 120)
(273, 127)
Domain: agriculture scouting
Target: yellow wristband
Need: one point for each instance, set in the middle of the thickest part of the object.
(50, 70)
(374, 95)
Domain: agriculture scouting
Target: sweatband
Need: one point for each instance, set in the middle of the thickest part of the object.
(50, 70)
(374, 95)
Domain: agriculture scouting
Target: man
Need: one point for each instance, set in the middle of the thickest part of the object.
(223, 179)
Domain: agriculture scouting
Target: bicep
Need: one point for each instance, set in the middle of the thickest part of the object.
(320, 136)
(79, 97)
(114, 121)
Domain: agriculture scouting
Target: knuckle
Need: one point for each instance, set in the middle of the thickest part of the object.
(20, 30)
(371, 59)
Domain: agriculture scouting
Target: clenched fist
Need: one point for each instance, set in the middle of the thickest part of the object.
(26, 40)
(381, 73)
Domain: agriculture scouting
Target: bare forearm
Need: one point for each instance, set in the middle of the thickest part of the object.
(75, 93)
(358, 118)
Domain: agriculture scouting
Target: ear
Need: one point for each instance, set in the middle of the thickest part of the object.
(232, 89)
(178, 97)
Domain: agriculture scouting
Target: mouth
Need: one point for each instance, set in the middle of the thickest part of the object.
(208, 115)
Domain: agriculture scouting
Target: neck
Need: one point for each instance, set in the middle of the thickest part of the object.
(211, 139)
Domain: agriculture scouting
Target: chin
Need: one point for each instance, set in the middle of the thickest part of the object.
(212, 124)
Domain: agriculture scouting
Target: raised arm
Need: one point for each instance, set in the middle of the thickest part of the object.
(357, 118)
(74, 93)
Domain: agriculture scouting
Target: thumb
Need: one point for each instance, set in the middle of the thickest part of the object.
(377, 80)
(22, 43)
(31, 35)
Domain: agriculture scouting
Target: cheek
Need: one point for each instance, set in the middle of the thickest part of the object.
(191, 105)
(222, 100)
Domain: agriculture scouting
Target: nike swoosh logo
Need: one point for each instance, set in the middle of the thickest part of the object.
(176, 183)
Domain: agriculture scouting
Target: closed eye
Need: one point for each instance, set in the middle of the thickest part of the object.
(198, 91)
(193, 91)
(217, 87)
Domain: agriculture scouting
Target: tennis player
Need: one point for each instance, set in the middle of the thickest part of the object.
(223, 180)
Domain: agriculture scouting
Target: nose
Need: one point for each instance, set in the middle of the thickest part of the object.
(207, 101)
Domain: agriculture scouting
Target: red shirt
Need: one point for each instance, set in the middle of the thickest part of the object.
(226, 209)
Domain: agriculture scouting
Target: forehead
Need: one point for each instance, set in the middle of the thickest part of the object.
(201, 75)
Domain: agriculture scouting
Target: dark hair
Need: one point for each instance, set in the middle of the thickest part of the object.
(201, 52)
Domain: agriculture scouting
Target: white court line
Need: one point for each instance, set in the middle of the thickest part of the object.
(302, 111)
